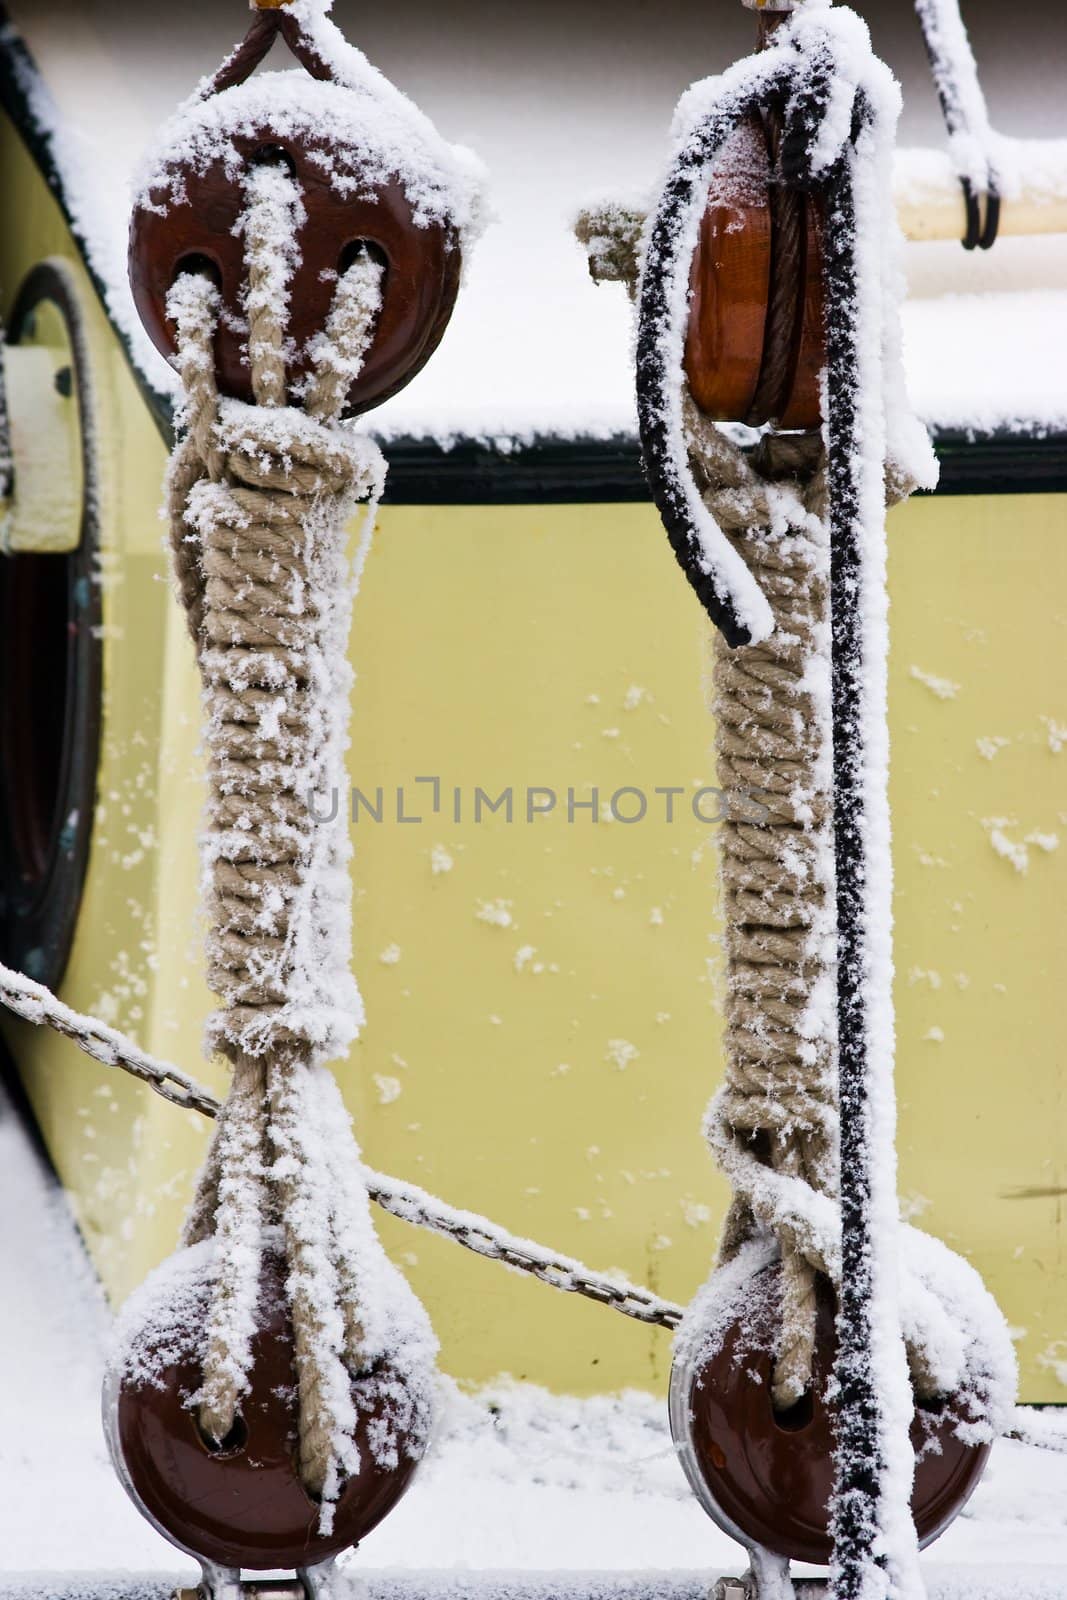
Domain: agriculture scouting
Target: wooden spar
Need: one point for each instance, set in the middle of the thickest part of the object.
(941, 218)
(931, 205)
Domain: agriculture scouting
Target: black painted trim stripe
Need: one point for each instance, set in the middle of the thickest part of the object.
(548, 470)
(583, 470)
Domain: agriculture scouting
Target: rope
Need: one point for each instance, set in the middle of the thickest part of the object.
(776, 1111)
(785, 303)
(778, 1106)
(771, 739)
(963, 107)
(259, 498)
(773, 1126)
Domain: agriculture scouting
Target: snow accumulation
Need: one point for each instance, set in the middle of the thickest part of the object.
(535, 347)
(377, 142)
(525, 1495)
(518, 1479)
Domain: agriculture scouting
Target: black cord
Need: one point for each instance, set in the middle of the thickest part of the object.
(667, 469)
(858, 1460)
(979, 234)
(806, 94)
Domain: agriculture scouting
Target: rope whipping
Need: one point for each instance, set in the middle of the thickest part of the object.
(259, 499)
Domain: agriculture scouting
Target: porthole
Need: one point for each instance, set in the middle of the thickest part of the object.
(50, 650)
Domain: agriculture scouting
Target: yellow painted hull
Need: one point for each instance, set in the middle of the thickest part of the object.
(543, 996)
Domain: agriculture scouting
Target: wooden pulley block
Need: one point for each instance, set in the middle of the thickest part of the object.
(754, 344)
(242, 1503)
(372, 174)
(766, 1477)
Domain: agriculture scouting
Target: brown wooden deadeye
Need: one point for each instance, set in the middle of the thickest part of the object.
(754, 345)
(193, 225)
(767, 1475)
(240, 1502)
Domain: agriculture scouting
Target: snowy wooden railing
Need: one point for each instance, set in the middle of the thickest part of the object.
(1032, 174)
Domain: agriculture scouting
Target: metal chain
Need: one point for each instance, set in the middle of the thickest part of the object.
(36, 1004)
(496, 1244)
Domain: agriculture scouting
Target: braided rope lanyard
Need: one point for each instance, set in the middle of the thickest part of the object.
(259, 500)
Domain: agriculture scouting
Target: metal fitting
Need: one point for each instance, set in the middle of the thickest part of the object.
(223, 1583)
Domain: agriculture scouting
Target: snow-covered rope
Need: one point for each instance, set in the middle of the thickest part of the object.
(875, 1550)
(800, 601)
(773, 1127)
(772, 737)
(963, 106)
(721, 578)
(777, 1107)
(26, 998)
(260, 498)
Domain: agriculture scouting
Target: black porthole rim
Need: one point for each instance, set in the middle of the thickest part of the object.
(37, 925)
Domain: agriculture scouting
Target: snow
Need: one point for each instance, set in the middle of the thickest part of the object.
(600, 1474)
(379, 140)
(518, 1485)
(997, 371)
(1035, 166)
(977, 344)
(956, 75)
